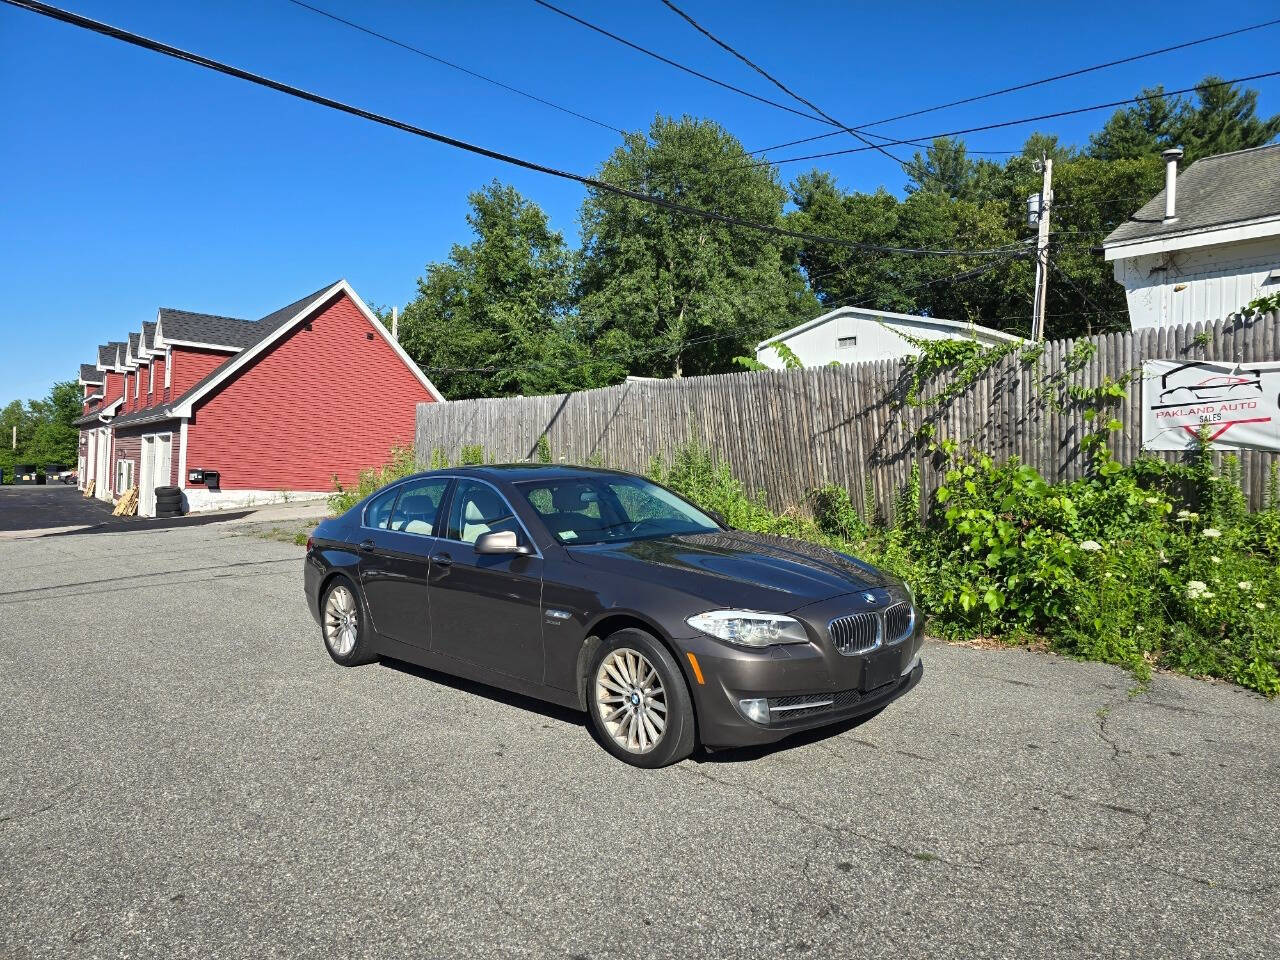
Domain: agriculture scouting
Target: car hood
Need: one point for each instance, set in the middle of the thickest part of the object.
(719, 565)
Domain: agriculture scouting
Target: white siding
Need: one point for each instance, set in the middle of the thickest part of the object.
(1203, 284)
(819, 344)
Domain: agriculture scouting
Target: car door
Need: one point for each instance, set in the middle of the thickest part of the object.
(486, 609)
(395, 558)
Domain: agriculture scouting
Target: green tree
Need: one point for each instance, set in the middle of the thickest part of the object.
(1222, 118)
(945, 167)
(496, 318)
(46, 432)
(670, 294)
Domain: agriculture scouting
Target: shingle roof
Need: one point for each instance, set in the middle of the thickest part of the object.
(133, 345)
(1212, 192)
(108, 353)
(148, 334)
(90, 373)
(264, 328)
(253, 333)
(205, 328)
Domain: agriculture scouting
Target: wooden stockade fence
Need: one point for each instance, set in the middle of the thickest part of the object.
(787, 432)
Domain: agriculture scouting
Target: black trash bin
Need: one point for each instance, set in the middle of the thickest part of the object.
(27, 474)
(53, 472)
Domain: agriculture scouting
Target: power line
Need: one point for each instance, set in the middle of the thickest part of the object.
(1013, 123)
(775, 81)
(1032, 83)
(217, 66)
(674, 63)
(454, 66)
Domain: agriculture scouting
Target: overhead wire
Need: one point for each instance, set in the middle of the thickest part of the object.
(454, 66)
(177, 53)
(1032, 83)
(1013, 123)
(723, 45)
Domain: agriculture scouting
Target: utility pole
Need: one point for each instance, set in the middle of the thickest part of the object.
(395, 324)
(1042, 252)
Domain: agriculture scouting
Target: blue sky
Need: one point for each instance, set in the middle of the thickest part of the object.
(132, 181)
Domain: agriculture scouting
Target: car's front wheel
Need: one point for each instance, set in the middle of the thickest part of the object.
(342, 624)
(639, 703)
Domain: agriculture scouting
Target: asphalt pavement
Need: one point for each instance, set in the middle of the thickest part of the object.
(187, 774)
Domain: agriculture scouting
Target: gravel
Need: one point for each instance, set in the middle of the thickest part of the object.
(187, 774)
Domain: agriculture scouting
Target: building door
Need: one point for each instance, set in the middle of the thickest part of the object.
(90, 461)
(147, 479)
(103, 474)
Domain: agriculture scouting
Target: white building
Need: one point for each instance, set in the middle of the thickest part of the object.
(855, 334)
(1207, 244)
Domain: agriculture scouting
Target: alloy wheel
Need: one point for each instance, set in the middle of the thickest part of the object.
(631, 700)
(341, 621)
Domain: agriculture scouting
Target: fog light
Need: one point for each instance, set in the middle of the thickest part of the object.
(757, 710)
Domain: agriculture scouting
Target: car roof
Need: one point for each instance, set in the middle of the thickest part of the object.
(520, 472)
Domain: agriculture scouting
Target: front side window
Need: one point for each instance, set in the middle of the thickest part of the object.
(478, 509)
(378, 513)
(417, 509)
(600, 509)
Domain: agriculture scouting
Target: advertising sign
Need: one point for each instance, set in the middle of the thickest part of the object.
(1238, 403)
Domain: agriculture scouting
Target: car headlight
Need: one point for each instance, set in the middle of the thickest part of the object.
(749, 628)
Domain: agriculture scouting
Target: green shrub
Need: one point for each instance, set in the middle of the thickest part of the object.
(401, 464)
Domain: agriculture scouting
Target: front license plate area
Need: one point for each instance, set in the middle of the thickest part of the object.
(879, 669)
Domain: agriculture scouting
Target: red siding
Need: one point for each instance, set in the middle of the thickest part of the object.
(190, 366)
(157, 387)
(111, 388)
(322, 401)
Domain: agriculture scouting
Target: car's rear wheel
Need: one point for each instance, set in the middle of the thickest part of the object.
(639, 703)
(342, 624)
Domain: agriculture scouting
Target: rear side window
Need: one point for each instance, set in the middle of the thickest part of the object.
(477, 509)
(418, 507)
(378, 513)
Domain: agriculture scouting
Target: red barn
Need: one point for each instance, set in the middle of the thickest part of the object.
(237, 412)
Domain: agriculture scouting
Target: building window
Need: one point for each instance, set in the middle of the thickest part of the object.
(124, 475)
(846, 343)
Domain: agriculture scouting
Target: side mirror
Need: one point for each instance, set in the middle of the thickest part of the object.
(499, 542)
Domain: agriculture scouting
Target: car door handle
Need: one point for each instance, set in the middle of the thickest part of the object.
(442, 560)
(366, 545)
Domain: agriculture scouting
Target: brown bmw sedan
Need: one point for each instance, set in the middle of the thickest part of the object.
(606, 592)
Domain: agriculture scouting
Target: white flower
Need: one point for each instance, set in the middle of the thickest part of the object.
(1211, 533)
(1260, 605)
(1186, 516)
(1151, 500)
(1091, 546)
(1215, 559)
(1245, 585)
(1197, 588)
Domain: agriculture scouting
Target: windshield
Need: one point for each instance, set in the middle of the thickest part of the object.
(603, 509)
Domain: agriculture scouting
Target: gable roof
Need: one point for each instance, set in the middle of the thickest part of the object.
(148, 336)
(110, 355)
(89, 374)
(132, 353)
(1213, 192)
(956, 327)
(265, 332)
(209, 329)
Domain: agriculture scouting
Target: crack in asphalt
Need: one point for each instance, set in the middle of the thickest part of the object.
(53, 800)
(834, 828)
(205, 568)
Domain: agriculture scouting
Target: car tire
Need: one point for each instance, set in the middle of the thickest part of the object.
(627, 708)
(342, 624)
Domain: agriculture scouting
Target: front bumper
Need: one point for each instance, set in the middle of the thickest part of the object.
(813, 684)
